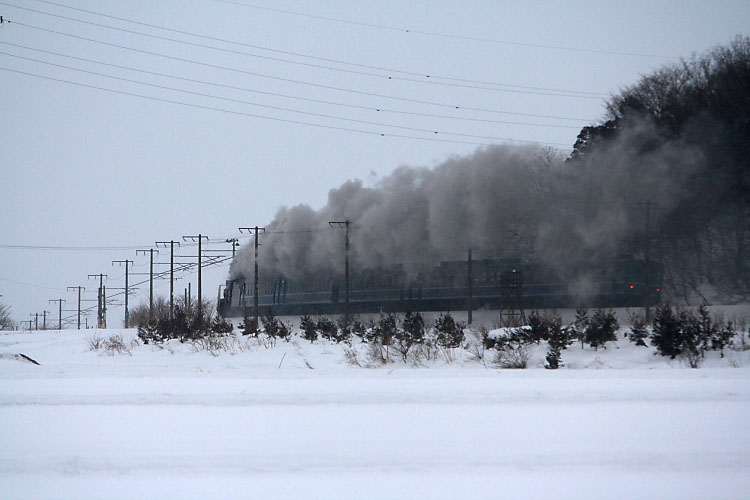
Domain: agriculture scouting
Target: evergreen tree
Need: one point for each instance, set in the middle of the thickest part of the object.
(413, 327)
(271, 325)
(602, 328)
(309, 328)
(450, 333)
(539, 328)
(708, 329)
(581, 323)
(638, 331)
(385, 329)
(249, 326)
(221, 326)
(667, 332)
(723, 337)
(327, 328)
(559, 340)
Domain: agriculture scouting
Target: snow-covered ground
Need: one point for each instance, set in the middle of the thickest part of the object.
(298, 421)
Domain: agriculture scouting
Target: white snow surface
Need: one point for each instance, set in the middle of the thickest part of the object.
(298, 421)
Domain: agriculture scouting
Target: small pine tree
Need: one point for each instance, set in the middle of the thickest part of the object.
(638, 331)
(385, 330)
(539, 328)
(358, 328)
(271, 325)
(553, 359)
(344, 329)
(327, 328)
(723, 337)
(221, 326)
(180, 325)
(667, 332)
(309, 328)
(708, 329)
(411, 333)
(559, 340)
(413, 326)
(602, 328)
(581, 323)
(149, 332)
(450, 333)
(249, 326)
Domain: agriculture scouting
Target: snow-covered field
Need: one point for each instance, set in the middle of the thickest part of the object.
(298, 421)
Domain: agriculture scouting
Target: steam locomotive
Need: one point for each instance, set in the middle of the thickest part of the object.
(492, 284)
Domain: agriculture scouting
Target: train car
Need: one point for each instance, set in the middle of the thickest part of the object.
(490, 284)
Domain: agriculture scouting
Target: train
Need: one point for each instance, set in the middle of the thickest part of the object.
(456, 285)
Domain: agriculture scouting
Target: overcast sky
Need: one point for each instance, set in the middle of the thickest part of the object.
(86, 167)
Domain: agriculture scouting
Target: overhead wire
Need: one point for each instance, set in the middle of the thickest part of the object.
(528, 89)
(444, 35)
(307, 99)
(251, 73)
(277, 108)
(272, 118)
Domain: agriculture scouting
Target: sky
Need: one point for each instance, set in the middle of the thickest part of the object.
(252, 105)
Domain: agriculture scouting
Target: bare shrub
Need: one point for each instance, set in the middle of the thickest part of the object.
(267, 341)
(351, 355)
(477, 345)
(115, 344)
(692, 357)
(217, 344)
(512, 356)
(112, 345)
(378, 354)
(95, 343)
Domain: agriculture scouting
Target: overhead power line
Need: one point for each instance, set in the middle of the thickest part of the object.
(73, 248)
(273, 118)
(443, 35)
(30, 284)
(277, 108)
(423, 75)
(307, 99)
(261, 75)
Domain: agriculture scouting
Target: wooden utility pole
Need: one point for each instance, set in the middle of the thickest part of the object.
(127, 286)
(150, 251)
(44, 319)
(235, 243)
(163, 244)
(255, 230)
(59, 315)
(471, 290)
(199, 238)
(647, 205)
(345, 224)
(79, 288)
(100, 321)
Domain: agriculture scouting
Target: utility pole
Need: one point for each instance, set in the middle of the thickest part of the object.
(647, 205)
(101, 307)
(79, 288)
(471, 291)
(127, 288)
(255, 230)
(59, 315)
(27, 321)
(171, 244)
(150, 251)
(235, 243)
(44, 319)
(36, 321)
(199, 238)
(345, 224)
